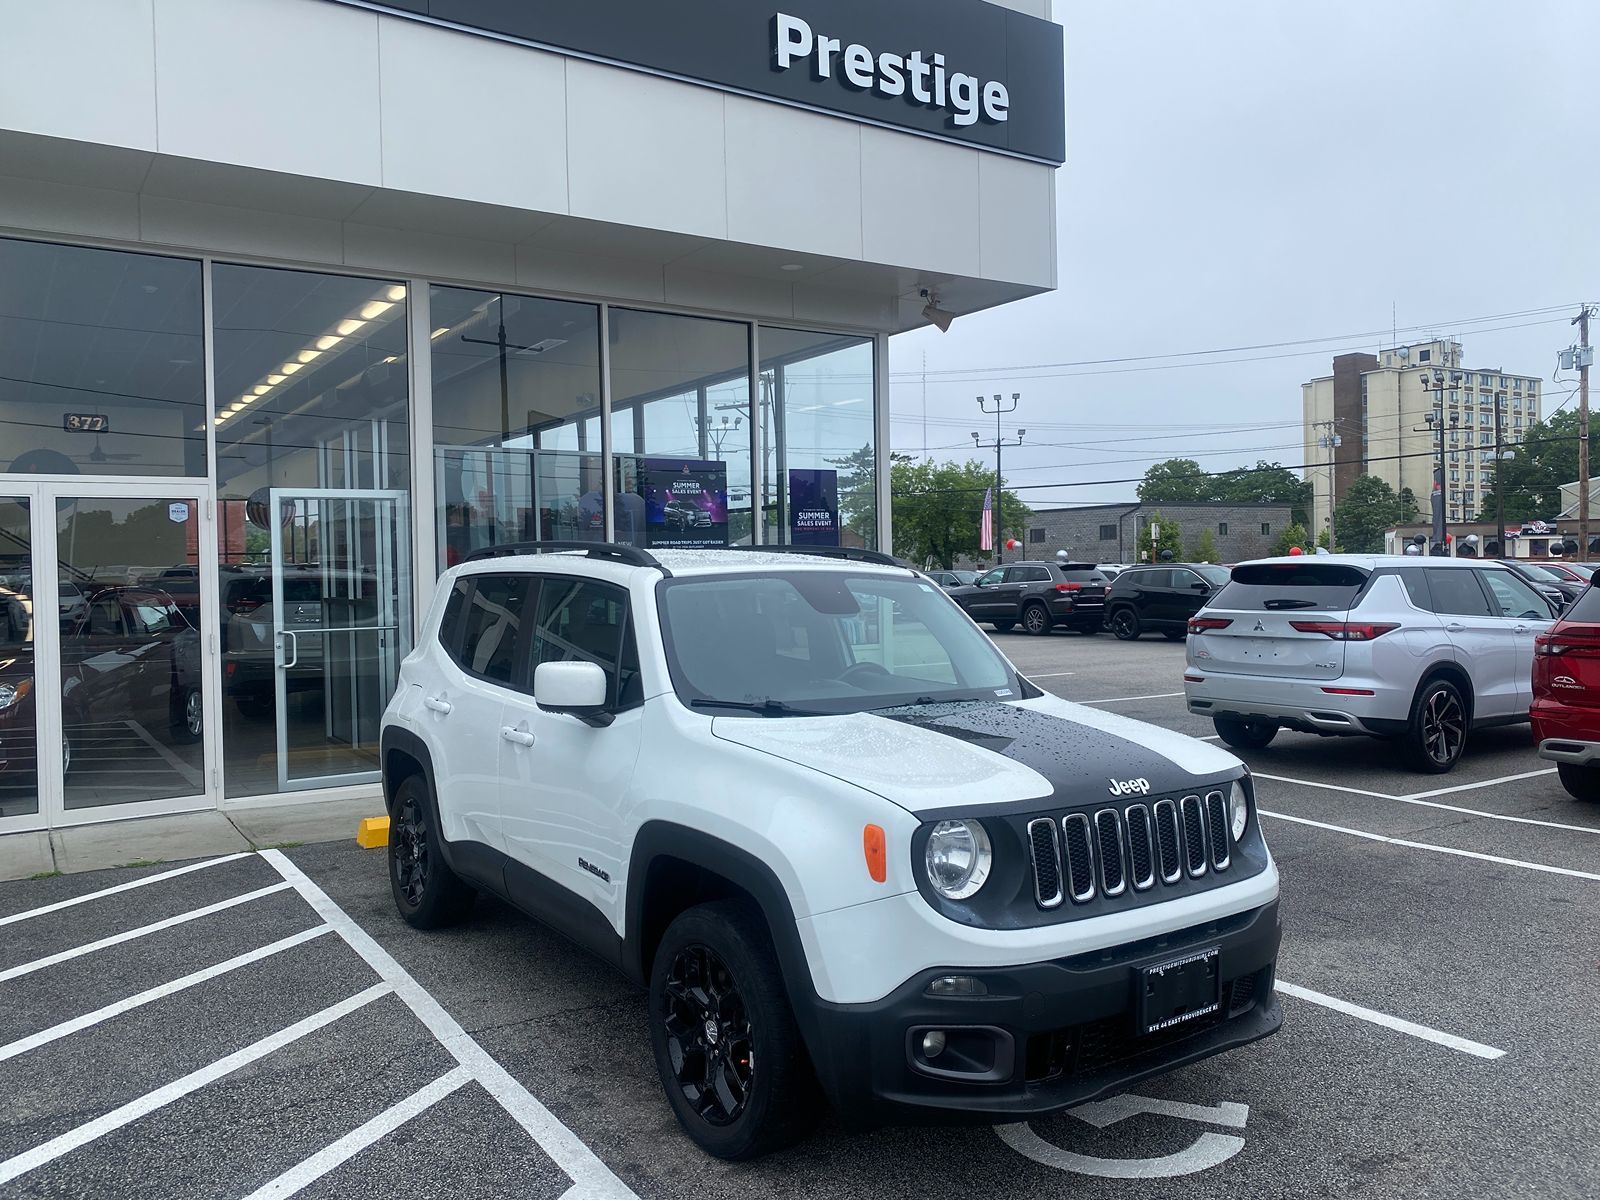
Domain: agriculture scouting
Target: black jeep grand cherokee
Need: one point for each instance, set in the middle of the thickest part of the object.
(1041, 595)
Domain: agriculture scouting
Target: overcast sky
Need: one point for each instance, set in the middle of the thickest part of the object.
(1248, 173)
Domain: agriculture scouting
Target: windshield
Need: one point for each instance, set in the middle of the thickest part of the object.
(825, 642)
(1545, 574)
(1216, 576)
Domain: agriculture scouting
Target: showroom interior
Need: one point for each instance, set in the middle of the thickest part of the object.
(263, 376)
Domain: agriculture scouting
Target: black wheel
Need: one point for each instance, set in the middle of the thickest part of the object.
(1437, 733)
(1250, 733)
(1125, 624)
(730, 1055)
(1582, 783)
(188, 716)
(1174, 635)
(1003, 626)
(427, 892)
(256, 707)
(1036, 620)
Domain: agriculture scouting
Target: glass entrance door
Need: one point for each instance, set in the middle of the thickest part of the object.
(341, 589)
(106, 689)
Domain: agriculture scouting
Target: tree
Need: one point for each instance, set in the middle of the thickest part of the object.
(1181, 480)
(1205, 547)
(1546, 458)
(1169, 536)
(1293, 535)
(938, 507)
(1370, 508)
(1265, 483)
(1176, 481)
(858, 491)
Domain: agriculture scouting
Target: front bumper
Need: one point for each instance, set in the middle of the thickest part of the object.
(1059, 1033)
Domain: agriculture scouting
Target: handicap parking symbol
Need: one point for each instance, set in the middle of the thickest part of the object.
(1208, 1150)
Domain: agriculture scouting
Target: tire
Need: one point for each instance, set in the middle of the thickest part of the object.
(1251, 733)
(428, 894)
(1437, 731)
(1582, 783)
(1003, 626)
(1125, 624)
(1036, 620)
(740, 1027)
(188, 717)
(1174, 635)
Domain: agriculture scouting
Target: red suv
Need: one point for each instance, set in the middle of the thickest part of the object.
(1566, 696)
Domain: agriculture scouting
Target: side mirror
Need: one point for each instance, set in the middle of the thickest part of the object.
(576, 689)
(1200, 587)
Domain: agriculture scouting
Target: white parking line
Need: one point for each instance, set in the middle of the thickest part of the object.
(122, 887)
(1427, 1034)
(1050, 674)
(358, 1139)
(128, 935)
(580, 1163)
(1545, 868)
(1126, 699)
(161, 991)
(1418, 799)
(73, 1139)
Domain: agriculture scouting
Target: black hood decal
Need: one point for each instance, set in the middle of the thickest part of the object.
(1081, 763)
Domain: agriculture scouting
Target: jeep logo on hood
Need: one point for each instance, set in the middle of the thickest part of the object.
(1130, 787)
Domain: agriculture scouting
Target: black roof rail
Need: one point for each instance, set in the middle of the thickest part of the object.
(852, 553)
(614, 551)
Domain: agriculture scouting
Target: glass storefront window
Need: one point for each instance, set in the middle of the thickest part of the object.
(819, 440)
(19, 698)
(102, 362)
(680, 395)
(516, 420)
(312, 428)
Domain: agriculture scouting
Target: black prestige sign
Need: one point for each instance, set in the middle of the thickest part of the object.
(962, 70)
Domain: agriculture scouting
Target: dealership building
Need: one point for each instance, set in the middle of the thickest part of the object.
(303, 301)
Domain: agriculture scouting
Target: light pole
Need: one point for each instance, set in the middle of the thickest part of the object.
(1435, 425)
(1501, 454)
(1000, 409)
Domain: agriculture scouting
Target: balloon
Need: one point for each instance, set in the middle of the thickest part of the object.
(1295, 551)
(1012, 543)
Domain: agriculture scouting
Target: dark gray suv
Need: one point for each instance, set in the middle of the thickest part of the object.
(1038, 596)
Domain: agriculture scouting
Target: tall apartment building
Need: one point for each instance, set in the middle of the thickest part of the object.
(1379, 407)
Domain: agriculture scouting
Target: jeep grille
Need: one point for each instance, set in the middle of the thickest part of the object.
(1114, 852)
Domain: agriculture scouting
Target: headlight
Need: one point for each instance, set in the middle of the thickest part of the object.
(11, 693)
(1238, 810)
(959, 858)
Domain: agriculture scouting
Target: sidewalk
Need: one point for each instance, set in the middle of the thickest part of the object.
(187, 835)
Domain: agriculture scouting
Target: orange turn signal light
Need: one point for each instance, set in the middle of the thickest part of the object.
(875, 845)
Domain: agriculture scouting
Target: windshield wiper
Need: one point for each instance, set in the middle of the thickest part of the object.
(767, 708)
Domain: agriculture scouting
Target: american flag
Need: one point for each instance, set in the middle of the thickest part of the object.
(986, 529)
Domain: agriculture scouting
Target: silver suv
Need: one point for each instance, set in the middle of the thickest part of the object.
(1416, 650)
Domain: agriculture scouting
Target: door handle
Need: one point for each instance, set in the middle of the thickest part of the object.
(1455, 627)
(437, 704)
(517, 737)
(1519, 629)
(295, 642)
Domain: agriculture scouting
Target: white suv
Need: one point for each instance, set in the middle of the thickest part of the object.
(804, 800)
(1419, 650)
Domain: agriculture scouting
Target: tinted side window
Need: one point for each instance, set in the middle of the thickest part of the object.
(1187, 579)
(1458, 593)
(1076, 576)
(450, 625)
(991, 577)
(581, 620)
(493, 621)
(1034, 574)
(1586, 607)
(1417, 588)
(1514, 597)
(1158, 578)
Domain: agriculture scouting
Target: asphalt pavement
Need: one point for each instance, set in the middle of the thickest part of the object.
(264, 1024)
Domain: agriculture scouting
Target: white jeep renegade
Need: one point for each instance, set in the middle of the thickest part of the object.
(845, 845)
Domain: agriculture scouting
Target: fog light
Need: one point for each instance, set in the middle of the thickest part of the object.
(957, 985)
(932, 1044)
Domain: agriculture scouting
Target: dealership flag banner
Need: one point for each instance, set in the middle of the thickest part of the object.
(986, 531)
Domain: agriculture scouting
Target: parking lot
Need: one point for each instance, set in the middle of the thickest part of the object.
(264, 1025)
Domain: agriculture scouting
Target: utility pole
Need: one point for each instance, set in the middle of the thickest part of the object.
(1435, 423)
(999, 410)
(1330, 441)
(1585, 356)
(1499, 479)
